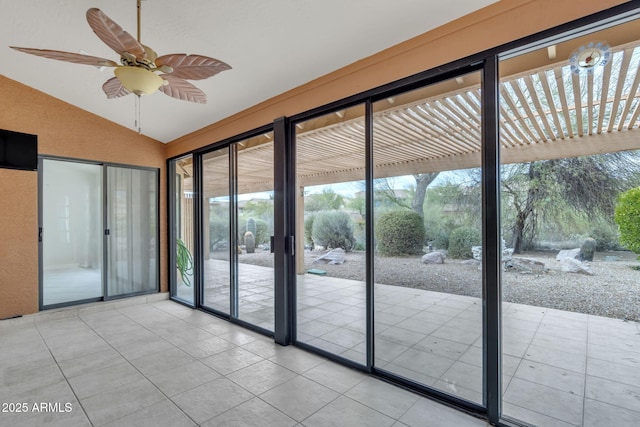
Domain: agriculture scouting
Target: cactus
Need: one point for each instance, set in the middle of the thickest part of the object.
(249, 242)
(251, 226)
(588, 249)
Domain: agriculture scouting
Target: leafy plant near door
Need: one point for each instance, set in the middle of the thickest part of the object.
(184, 262)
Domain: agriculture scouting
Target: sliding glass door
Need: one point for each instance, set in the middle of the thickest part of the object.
(428, 227)
(98, 231)
(223, 256)
(132, 230)
(71, 232)
(216, 231)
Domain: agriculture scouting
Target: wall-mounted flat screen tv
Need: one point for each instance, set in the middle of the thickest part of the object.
(18, 150)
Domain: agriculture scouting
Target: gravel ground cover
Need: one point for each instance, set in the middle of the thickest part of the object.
(612, 291)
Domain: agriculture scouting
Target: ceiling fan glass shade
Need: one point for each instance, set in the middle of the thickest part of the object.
(138, 80)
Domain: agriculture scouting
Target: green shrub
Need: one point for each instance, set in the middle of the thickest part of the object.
(606, 237)
(627, 216)
(308, 229)
(437, 235)
(333, 229)
(461, 240)
(218, 232)
(400, 233)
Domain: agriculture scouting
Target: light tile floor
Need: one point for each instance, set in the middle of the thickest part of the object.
(146, 361)
(559, 368)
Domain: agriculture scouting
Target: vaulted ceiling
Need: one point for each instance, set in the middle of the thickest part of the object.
(272, 46)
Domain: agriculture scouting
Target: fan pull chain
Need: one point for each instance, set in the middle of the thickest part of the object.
(137, 125)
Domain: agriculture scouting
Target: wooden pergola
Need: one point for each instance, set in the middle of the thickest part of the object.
(545, 113)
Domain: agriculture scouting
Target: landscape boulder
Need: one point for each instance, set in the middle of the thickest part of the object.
(568, 253)
(524, 265)
(434, 258)
(334, 257)
(572, 265)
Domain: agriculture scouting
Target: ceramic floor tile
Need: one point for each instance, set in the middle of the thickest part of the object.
(299, 397)
(211, 399)
(464, 375)
(90, 363)
(622, 395)
(105, 379)
(597, 414)
(232, 360)
(550, 376)
(207, 347)
(383, 397)
(261, 376)
(297, 360)
(161, 361)
(427, 413)
(253, 413)
(420, 361)
(105, 407)
(531, 417)
(163, 413)
(347, 412)
(442, 347)
(182, 378)
(545, 400)
(560, 359)
(336, 377)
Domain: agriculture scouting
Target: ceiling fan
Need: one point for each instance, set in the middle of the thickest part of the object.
(142, 71)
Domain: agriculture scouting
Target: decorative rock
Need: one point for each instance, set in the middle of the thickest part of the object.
(333, 257)
(433, 258)
(572, 265)
(524, 265)
(568, 253)
(477, 252)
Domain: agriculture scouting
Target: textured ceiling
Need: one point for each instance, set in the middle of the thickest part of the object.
(273, 46)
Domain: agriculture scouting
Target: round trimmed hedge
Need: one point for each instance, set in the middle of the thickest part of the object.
(400, 233)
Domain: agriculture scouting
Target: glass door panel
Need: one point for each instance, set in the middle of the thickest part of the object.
(183, 281)
(569, 150)
(427, 218)
(254, 207)
(72, 232)
(330, 225)
(217, 242)
(132, 221)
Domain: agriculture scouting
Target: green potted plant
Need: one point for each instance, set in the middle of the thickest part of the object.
(184, 262)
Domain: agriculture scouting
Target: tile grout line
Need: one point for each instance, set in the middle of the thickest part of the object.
(63, 374)
(135, 367)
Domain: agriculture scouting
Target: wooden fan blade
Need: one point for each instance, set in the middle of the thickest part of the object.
(192, 67)
(182, 89)
(76, 58)
(114, 89)
(113, 35)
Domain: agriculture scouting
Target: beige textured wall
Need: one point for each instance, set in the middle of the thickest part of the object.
(497, 24)
(63, 130)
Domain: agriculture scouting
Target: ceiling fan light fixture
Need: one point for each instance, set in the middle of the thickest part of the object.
(138, 80)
